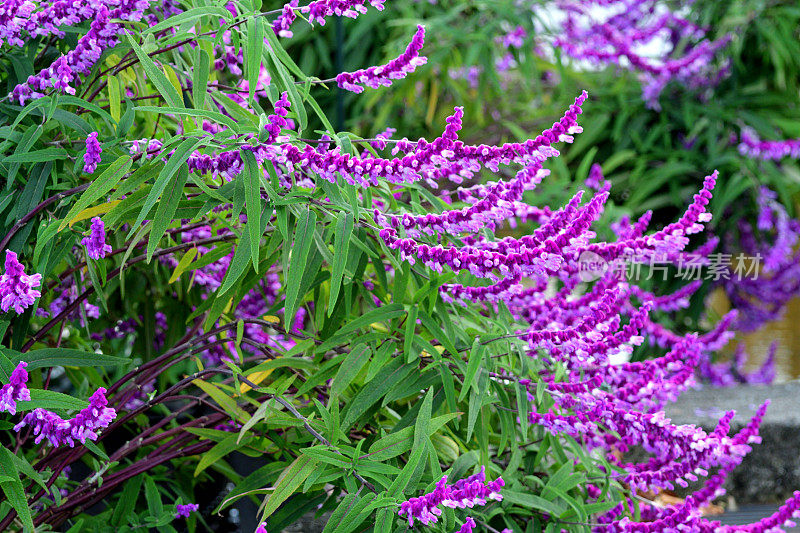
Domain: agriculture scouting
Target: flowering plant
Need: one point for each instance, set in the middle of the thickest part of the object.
(200, 268)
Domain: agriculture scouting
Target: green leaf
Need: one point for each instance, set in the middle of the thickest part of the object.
(166, 210)
(176, 160)
(189, 15)
(350, 368)
(387, 378)
(220, 450)
(200, 78)
(423, 419)
(531, 501)
(250, 173)
(303, 237)
(37, 156)
(99, 187)
(48, 399)
(50, 357)
(475, 358)
(156, 76)
(289, 481)
(400, 483)
(341, 250)
(183, 264)
(224, 401)
(14, 491)
(386, 312)
(202, 113)
(252, 55)
(294, 97)
(127, 501)
(153, 497)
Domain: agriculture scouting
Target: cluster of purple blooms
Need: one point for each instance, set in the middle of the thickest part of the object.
(47, 424)
(184, 510)
(728, 374)
(383, 75)
(467, 492)
(62, 74)
(92, 157)
(752, 146)
(95, 243)
(774, 240)
(16, 390)
(619, 32)
(17, 289)
(318, 10)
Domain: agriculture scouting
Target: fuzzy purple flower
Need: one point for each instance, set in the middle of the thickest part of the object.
(468, 527)
(93, 151)
(752, 146)
(382, 75)
(184, 510)
(467, 492)
(17, 289)
(15, 390)
(95, 243)
(83, 427)
(262, 528)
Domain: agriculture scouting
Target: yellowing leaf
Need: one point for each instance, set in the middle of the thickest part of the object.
(94, 211)
(271, 319)
(114, 91)
(380, 327)
(173, 78)
(256, 378)
(183, 264)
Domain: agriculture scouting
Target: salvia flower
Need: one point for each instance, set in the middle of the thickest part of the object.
(15, 390)
(93, 151)
(84, 426)
(469, 525)
(262, 528)
(317, 11)
(383, 75)
(467, 492)
(184, 510)
(17, 289)
(751, 146)
(95, 243)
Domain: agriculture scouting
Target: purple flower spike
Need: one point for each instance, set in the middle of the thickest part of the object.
(82, 427)
(317, 11)
(93, 151)
(15, 390)
(383, 75)
(183, 511)
(17, 289)
(465, 493)
(468, 526)
(95, 243)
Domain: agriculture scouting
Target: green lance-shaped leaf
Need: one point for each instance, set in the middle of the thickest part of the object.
(255, 42)
(200, 78)
(176, 160)
(303, 237)
(156, 76)
(166, 210)
(350, 368)
(341, 249)
(11, 486)
(289, 481)
(251, 174)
